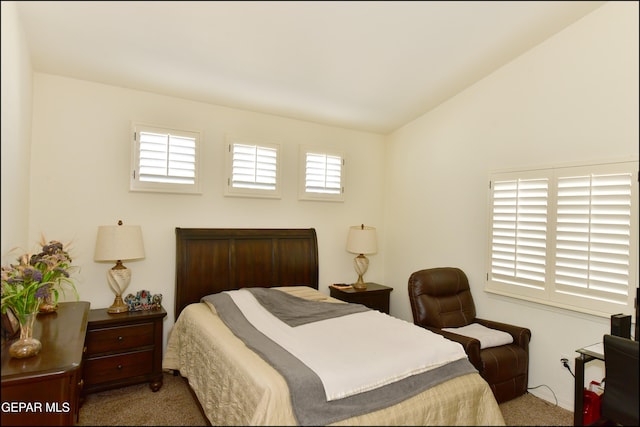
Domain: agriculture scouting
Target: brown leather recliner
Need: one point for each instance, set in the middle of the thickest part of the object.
(441, 298)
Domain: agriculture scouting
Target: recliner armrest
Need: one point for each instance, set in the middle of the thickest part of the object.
(521, 336)
(471, 345)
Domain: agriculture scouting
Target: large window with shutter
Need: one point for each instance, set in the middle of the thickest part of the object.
(252, 168)
(566, 236)
(164, 160)
(321, 174)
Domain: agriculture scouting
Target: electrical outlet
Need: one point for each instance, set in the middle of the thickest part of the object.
(564, 357)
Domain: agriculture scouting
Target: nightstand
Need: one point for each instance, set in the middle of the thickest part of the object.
(123, 349)
(375, 296)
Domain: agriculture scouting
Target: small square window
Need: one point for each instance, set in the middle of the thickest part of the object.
(252, 168)
(321, 175)
(165, 160)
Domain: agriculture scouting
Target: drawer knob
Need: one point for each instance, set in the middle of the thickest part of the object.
(119, 367)
(120, 338)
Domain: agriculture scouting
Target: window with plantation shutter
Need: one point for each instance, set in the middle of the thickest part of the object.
(252, 169)
(566, 236)
(519, 233)
(165, 160)
(321, 175)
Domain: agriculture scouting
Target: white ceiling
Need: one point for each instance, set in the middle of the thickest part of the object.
(367, 65)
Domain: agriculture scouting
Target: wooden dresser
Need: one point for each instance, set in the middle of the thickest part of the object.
(45, 389)
(123, 349)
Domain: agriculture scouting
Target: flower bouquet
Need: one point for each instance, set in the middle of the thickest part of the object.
(34, 279)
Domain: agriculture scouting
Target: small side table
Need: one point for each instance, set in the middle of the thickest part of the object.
(586, 355)
(123, 349)
(376, 296)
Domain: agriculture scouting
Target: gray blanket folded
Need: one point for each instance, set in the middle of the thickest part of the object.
(296, 311)
(308, 397)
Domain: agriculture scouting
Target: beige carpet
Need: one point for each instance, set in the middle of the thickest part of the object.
(529, 410)
(174, 405)
(137, 405)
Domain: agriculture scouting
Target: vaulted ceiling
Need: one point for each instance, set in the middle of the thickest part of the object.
(366, 65)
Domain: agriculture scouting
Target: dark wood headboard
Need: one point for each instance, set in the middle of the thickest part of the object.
(211, 260)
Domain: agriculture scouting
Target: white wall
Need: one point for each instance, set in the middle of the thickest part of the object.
(80, 164)
(16, 134)
(572, 98)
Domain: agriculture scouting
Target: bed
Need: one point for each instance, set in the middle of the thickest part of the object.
(238, 381)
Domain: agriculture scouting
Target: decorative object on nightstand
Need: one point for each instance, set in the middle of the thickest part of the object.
(143, 300)
(117, 243)
(361, 240)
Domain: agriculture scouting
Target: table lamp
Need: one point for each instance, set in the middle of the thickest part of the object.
(361, 240)
(117, 243)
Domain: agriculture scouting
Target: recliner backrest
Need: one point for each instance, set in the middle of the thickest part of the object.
(620, 399)
(441, 298)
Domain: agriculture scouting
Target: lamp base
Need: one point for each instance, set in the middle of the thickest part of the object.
(118, 277)
(361, 264)
(118, 306)
(360, 285)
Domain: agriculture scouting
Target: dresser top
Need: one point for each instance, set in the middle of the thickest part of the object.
(62, 335)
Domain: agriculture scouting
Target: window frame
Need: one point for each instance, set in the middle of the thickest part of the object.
(138, 185)
(303, 191)
(238, 191)
(550, 291)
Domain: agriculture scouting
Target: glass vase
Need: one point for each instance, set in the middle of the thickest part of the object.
(48, 304)
(26, 345)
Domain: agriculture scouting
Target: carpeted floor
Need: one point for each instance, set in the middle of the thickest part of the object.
(137, 405)
(175, 405)
(528, 410)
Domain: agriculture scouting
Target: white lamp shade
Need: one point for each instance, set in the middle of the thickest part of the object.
(119, 242)
(362, 240)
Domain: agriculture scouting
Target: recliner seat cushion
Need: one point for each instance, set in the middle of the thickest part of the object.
(488, 337)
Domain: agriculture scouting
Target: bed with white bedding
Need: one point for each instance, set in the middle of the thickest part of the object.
(256, 353)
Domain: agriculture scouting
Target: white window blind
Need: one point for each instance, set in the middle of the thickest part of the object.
(593, 236)
(566, 236)
(164, 160)
(519, 232)
(322, 174)
(253, 170)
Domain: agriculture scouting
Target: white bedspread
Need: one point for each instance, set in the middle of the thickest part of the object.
(359, 358)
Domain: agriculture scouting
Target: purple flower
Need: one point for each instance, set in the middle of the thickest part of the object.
(32, 274)
(42, 292)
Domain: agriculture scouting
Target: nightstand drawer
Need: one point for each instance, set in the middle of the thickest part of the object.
(119, 366)
(119, 338)
(376, 302)
(376, 296)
